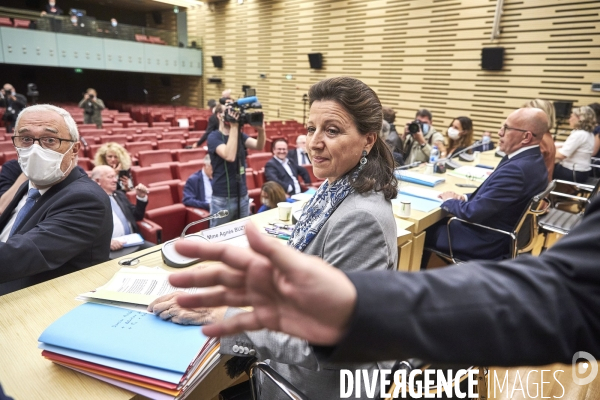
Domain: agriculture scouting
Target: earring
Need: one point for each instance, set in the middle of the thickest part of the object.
(363, 160)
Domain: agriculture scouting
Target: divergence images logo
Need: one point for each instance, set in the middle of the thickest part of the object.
(580, 369)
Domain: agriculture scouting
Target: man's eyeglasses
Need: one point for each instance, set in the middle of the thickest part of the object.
(506, 127)
(47, 142)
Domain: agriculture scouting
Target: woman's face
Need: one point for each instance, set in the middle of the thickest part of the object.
(112, 159)
(456, 125)
(264, 199)
(333, 143)
(573, 120)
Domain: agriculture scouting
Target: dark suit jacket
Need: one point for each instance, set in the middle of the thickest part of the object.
(193, 192)
(497, 203)
(485, 147)
(293, 155)
(527, 311)
(274, 171)
(9, 174)
(132, 213)
(68, 229)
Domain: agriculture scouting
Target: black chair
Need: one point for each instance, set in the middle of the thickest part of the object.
(265, 369)
(523, 236)
(567, 209)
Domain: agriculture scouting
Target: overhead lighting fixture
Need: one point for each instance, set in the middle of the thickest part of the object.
(240, 1)
(181, 3)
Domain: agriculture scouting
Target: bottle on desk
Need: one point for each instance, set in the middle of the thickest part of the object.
(434, 156)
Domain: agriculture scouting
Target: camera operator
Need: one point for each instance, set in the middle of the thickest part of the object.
(226, 147)
(92, 108)
(14, 103)
(419, 137)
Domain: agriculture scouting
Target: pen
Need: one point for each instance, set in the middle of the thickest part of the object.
(281, 236)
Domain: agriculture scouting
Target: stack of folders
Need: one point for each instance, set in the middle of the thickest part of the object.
(134, 350)
(422, 193)
(418, 178)
(477, 174)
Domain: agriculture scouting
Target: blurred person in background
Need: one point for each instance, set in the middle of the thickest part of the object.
(575, 155)
(460, 135)
(385, 133)
(392, 139)
(14, 104)
(197, 191)
(284, 170)
(92, 108)
(547, 146)
(299, 154)
(115, 156)
(271, 194)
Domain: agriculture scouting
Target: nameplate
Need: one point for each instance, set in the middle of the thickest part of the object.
(226, 232)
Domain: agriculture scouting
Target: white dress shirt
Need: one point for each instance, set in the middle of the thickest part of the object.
(286, 166)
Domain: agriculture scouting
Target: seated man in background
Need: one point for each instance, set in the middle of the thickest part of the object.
(59, 220)
(392, 139)
(299, 153)
(486, 142)
(198, 188)
(124, 214)
(14, 104)
(284, 171)
(501, 198)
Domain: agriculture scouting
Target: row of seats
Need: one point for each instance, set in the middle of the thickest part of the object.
(149, 39)
(15, 22)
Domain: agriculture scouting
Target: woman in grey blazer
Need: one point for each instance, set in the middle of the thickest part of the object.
(348, 223)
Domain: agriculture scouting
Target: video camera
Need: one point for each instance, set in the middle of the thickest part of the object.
(240, 106)
(415, 127)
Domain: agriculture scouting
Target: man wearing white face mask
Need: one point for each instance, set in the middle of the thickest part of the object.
(59, 220)
(418, 144)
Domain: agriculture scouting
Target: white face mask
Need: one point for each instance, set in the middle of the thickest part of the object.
(485, 139)
(41, 166)
(453, 133)
(265, 201)
(114, 23)
(425, 129)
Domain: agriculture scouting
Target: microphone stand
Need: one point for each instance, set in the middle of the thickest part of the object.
(217, 215)
(447, 159)
(304, 101)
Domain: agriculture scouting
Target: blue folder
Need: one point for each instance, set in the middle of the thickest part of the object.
(127, 335)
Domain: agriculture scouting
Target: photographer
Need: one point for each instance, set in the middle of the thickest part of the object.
(226, 147)
(13, 103)
(419, 137)
(92, 108)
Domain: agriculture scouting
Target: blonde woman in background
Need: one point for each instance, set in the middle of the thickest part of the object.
(576, 154)
(115, 156)
(547, 146)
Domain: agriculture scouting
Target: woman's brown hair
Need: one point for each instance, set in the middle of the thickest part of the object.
(274, 192)
(363, 106)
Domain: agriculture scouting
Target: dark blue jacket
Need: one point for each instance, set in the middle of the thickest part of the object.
(275, 172)
(497, 203)
(194, 194)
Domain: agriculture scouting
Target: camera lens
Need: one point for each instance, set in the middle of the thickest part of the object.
(413, 128)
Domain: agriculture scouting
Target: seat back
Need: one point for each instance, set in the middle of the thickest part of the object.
(184, 170)
(526, 230)
(171, 218)
(160, 196)
(121, 139)
(185, 155)
(258, 161)
(149, 157)
(135, 147)
(148, 175)
(170, 144)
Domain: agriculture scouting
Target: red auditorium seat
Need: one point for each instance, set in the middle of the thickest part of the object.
(200, 124)
(153, 174)
(196, 134)
(92, 149)
(121, 139)
(146, 137)
(161, 124)
(148, 157)
(135, 147)
(174, 218)
(175, 135)
(185, 155)
(259, 177)
(124, 131)
(315, 181)
(258, 161)
(10, 155)
(141, 38)
(85, 163)
(170, 144)
(184, 170)
(5, 21)
(157, 129)
(156, 40)
(160, 196)
(6, 146)
(21, 23)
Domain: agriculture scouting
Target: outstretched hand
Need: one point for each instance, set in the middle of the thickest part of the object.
(290, 292)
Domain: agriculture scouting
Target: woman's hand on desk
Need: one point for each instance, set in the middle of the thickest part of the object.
(291, 292)
(166, 307)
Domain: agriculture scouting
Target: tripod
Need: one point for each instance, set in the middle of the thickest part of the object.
(304, 101)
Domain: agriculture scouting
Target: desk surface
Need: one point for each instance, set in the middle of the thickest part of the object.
(25, 374)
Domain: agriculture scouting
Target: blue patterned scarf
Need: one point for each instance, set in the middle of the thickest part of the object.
(318, 210)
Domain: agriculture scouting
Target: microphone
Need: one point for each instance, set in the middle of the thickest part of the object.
(172, 258)
(217, 215)
(245, 100)
(408, 166)
(453, 164)
(176, 97)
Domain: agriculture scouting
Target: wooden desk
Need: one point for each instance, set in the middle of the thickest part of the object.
(423, 220)
(25, 374)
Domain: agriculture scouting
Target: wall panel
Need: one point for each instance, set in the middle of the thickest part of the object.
(414, 53)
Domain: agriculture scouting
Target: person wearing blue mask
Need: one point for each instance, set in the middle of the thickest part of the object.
(486, 142)
(419, 141)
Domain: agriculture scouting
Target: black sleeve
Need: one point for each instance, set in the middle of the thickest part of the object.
(213, 125)
(9, 174)
(527, 311)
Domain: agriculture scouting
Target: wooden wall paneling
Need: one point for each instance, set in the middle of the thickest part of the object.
(415, 54)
